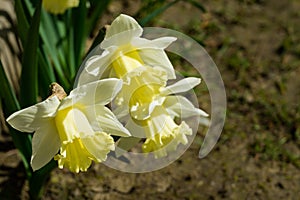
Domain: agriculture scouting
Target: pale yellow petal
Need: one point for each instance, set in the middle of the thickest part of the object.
(45, 144)
(97, 92)
(183, 85)
(180, 106)
(102, 119)
(124, 23)
(99, 145)
(33, 117)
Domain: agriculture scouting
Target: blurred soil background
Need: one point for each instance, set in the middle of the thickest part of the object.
(256, 46)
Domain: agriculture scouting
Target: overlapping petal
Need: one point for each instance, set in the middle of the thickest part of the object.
(97, 92)
(99, 145)
(102, 119)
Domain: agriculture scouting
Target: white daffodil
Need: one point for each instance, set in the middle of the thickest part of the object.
(76, 130)
(59, 6)
(153, 107)
(125, 50)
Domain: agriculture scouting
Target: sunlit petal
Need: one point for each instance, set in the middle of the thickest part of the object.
(182, 107)
(45, 144)
(97, 92)
(99, 145)
(159, 43)
(135, 129)
(102, 119)
(167, 141)
(158, 58)
(96, 67)
(183, 85)
(74, 156)
(121, 31)
(31, 118)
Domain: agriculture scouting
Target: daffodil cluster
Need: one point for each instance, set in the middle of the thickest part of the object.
(144, 68)
(130, 74)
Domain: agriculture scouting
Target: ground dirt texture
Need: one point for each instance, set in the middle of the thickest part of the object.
(256, 46)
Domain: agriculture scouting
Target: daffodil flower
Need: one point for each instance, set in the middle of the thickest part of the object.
(59, 6)
(76, 130)
(123, 50)
(153, 107)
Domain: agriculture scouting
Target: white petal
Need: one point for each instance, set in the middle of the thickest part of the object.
(96, 67)
(158, 58)
(160, 121)
(81, 122)
(99, 145)
(98, 92)
(45, 144)
(31, 118)
(123, 23)
(135, 129)
(143, 111)
(121, 111)
(101, 118)
(182, 107)
(181, 86)
(121, 31)
(159, 43)
(85, 77)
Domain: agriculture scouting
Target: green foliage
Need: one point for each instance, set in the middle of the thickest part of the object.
(53, 49)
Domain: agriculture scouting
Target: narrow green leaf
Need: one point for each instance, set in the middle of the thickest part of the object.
(7, 92)
(46, 75)
(10, 103)
(97, 9)
(52, 38)
(22, 21)
(29, 78)
(39, 178)
(70, 53)
(79, 15)
(53, 44)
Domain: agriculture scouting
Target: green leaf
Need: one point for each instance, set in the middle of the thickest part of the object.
(29, 78)
(10, 103)
(98, 7)
(80, 27)
(46, 75)
(39, 178)
(53, 38)
(69, 51)
(23, 24)
(7, 92)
